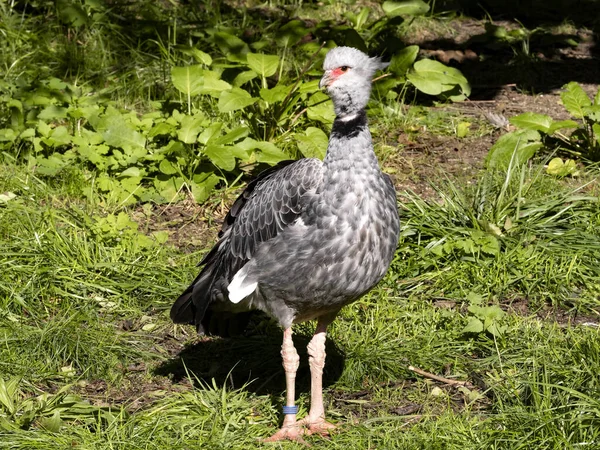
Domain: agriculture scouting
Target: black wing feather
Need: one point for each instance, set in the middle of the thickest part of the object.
(269, 203)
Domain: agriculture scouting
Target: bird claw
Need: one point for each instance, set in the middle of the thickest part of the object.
(320, 426)
(304, 427)
(289, 432)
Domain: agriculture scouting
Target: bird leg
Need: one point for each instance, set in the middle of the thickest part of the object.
(315, 421)
(290, 429)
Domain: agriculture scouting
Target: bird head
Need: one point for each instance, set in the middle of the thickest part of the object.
(347, 79)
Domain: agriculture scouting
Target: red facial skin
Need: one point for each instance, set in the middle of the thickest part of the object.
(332, 75)
(337, 72)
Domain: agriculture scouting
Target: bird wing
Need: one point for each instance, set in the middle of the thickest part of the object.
(269, 204)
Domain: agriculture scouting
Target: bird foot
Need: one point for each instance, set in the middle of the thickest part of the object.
(304, 427)
(319, 426)
(292, 432)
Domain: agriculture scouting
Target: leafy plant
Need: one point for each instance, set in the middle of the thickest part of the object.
(48, 411)
(536, 131)
(484, 319)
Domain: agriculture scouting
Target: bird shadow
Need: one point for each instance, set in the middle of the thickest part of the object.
(252, 362)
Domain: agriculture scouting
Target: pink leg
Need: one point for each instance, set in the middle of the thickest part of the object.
(290, 429)
(315, 421)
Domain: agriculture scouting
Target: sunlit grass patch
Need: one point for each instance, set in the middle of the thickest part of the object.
(514, 234)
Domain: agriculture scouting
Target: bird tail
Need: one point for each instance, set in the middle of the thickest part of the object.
(194, 305)
(191, 306)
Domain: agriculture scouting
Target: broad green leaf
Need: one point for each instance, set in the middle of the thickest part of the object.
(558, 168)
(71, 13)
(596, 130)
(221, 156)
(96, 154)
(313, 143)
(320, 108)
(131, 172)
(86, 136)
(575, 99)
(214, 86)
(231, 46)
(309, 87)
(291, 33)
(434, 78)
(168, 188)
(358, 20)
(405, 8)
(5, 198)
(203, 185)
(276, 94)
(462, 129)
(474, 326)
(51, 165)
(121, 134)
(132, 185)
(82, 112)
(210, 133)
(235, 99)
(188, 80)
(172, 148)
(57, 137)
(592, 112)
(52, 113)
(161, 129)
(269, 153)
(240, 152)
(243, 77)
(8, 135)
(8, 394)
(561, 125)
(532, 121)
(198, 55)
(27, 133)
(466, 245)
(403, 60)
(492, 312)
(348, 36)
(13, 103)
(52, 424)
(167, 167)
(489, 244)
(496, 330)
(263, 65)
(189, 129)
(234, 135)
(523, 143)
(247, 144)
(43, 128)
(474, 299)
(56, 84)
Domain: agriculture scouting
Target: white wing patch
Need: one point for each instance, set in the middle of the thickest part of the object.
(240, 288)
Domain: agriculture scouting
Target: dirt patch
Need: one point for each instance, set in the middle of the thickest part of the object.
(139, 386)
(191, 227)
(424, 159)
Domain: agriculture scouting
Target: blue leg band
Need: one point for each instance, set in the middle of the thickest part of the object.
(290, 410)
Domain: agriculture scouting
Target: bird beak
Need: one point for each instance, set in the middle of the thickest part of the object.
(326, 80)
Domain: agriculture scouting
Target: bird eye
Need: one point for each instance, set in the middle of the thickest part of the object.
(344, 68)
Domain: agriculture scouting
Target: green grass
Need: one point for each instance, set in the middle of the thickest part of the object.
(66, 288)
(89, 358)
(515, 234)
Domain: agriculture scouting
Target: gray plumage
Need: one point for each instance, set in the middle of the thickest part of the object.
(306, 237)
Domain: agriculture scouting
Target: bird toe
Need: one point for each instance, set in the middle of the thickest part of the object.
(290, 432)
